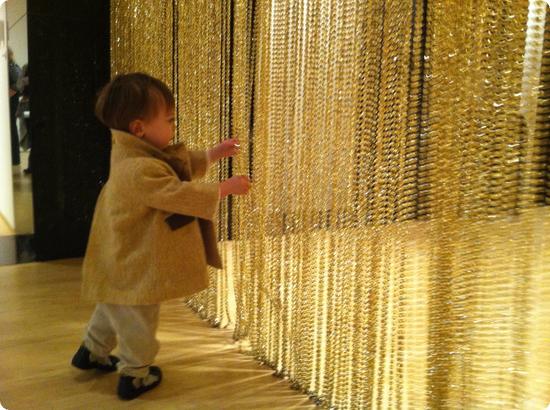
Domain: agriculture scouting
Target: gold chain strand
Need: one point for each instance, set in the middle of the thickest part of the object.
(364, 120)
(293, 224)
(275, 86)
(408, 346)
(241, 107)
(251, 210)
(345, 127)
(303, 327)
(216, 317)
(287, 257)
(315, 271)
(294, 277)
(261, 172)
(215, 67)
(246, 258)
(271, 343)
(543, 134)
(531, 168)
(403, 31)
(326, 85)
(439, 151)
(315, 332)
(222, 291)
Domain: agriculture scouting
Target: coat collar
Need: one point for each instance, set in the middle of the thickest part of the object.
(137, 144)
(143, 148)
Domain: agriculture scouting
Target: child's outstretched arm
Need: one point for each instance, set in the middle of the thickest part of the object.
(201, 160)
(156, 186)
(226, 149)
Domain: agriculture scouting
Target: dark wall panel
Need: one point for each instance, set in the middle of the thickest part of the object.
(68, 63)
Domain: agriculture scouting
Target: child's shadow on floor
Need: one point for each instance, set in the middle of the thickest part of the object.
(104, 384)
(91, 375)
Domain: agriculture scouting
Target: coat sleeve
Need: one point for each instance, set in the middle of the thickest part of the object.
(199, 163)
(155, 185)
(198, 160)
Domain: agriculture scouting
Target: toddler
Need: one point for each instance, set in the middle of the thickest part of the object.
(153, 231)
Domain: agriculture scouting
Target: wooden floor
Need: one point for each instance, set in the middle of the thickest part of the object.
(41, 324)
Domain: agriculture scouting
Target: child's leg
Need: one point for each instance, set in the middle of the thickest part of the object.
(99, 341)
(100, 338)
(136, 327)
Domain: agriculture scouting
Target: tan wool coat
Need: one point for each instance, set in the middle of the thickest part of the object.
(135, 255)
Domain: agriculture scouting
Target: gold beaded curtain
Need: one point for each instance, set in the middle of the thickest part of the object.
(393, 252)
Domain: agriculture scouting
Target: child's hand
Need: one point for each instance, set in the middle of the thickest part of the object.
(237, 185)
(228, 148)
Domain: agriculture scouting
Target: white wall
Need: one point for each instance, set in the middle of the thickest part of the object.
(17, 33)
(6, 183)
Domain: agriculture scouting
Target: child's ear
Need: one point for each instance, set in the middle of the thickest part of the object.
(137, 127)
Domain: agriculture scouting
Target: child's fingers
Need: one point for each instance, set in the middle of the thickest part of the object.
(233, 151)
(230, 147)
(233, 142)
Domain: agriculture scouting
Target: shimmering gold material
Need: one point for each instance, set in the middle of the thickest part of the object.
(394, 250)
(142, 38)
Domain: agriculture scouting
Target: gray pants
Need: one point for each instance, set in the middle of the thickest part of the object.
(136, 328)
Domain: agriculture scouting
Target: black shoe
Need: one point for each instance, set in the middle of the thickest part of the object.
(127, 389)
(82, 361)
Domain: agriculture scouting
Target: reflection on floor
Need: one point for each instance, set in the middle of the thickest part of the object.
(5, 228)
(42, 320)
(22, 193)
(16, 249)
(23, 204)
(22, 196)
(16, 244)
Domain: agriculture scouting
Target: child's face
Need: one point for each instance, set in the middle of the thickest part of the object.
(160, 130)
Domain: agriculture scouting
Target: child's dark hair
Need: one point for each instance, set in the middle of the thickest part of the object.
(132, 96)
